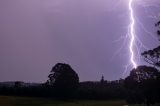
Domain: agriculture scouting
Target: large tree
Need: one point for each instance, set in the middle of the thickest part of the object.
(153, 56)
(143, 85)
(63, 79)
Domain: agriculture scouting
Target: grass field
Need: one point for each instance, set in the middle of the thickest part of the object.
(27, 101)
(30, 101)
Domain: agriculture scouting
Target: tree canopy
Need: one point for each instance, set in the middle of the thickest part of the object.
(143, 82)
(153, 56)
(63, 79)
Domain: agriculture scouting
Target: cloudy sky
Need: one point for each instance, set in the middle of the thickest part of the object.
(90, 35)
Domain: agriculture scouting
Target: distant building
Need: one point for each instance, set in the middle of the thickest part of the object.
(102, 79)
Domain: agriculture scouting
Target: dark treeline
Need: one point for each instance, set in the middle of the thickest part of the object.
(142, 86)
(102, 90)
(63, 83)
(86, 90)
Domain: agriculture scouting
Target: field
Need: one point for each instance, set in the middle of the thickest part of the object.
(26, 101)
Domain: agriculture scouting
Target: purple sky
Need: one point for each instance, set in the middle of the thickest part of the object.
(37, 34)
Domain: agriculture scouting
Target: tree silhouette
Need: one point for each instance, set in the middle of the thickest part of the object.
(143, 84)
(158, 31)
(63, 79)
(153, 56)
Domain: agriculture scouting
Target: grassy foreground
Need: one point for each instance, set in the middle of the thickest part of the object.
(27, 101)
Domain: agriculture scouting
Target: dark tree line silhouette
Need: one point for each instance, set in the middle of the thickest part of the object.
(63, 83)
(141, 86)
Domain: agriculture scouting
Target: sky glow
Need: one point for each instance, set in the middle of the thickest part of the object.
(94, 36)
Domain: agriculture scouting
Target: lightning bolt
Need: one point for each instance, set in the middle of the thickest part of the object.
(132, 34)
(136, 45)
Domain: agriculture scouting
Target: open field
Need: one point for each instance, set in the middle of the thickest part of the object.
(26, 101)
(30, 101)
